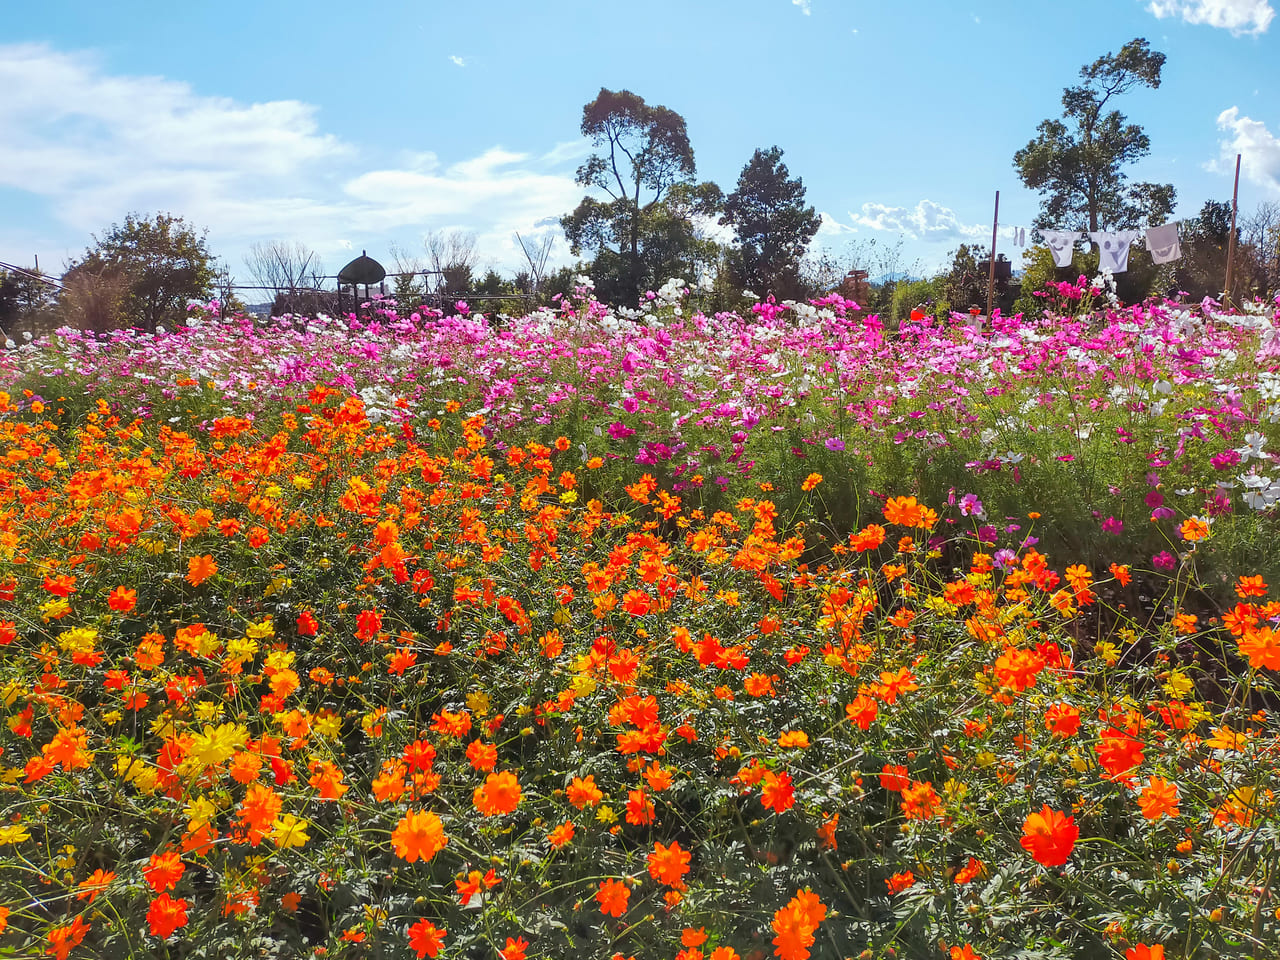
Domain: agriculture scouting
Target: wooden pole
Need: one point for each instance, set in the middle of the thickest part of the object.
(1231, 241)
(991, 273)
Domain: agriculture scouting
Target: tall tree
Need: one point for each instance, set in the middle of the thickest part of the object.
(159, 262)
(772, 225)
(1077, 163)
(645, 168)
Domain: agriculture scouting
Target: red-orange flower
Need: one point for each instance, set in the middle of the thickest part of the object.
(122, 599)
(795, 924)
(612, 897)
(777, 794)
(584, 792)
(163, 871)
(561, 834)
(1049, 836)
(1262, 647)
(166, 915)
(1159, 798)
(200, 569)
(499, 794)
(895, 778)
(1119, 753)
(418, 835)
(900, 881)
(669, 864)
(482, 756)
(62, 939)
(426, 939)
(1062, 720)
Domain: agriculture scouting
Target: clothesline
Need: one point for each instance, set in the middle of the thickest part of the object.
(1114, 246)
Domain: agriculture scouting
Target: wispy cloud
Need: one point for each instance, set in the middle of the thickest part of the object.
(457, 61)
(1238, 16)
(804, 6)
(926, 221)
(1258, 147)
(89, 146)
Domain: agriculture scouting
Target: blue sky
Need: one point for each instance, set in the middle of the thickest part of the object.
(359, 125)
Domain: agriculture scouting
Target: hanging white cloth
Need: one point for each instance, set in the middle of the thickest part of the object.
(1061, 244)
(1115, 248)
(1163, 243)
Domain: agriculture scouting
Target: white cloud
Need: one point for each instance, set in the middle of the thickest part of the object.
(1238, 16)
(457, 61)
(1258, 147)
(803, 5)
(927, 221)
(92, 146)
(829, 227)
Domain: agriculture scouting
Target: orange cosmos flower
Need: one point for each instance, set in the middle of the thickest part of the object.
(1119, 753)
(122, 599)
(1262, 647)
(795, 924)
(584, 792)
(793, 738)
(166, 915)
(418, 835)
(777, 794)
(500, 794)
(1017, 669)
(200, 569)
(906, 512)
(561, 835)
(1253, 586)
(1194, 529)
(894, 778)
(482, 756)
(669, 864)
(163, 871)
(1159, 798)
(920, 801)
(868, 538)
(426, 939)
(258, 811)
(900, 881)
(514, 950)
(811, 481)
(968, 871)
(639, 808)
(612, 897)
(862, 711)
(62, 939)
(327, 779)
(1049, 836)
(1143, 952)
(1062, 720)
(94, 884)
(725, 953)
(965, 953)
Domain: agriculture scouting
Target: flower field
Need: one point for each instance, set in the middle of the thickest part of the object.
(599, 635)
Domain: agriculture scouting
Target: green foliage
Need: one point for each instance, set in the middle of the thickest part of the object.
(1077, 163)
(148, 269)
(772, 224)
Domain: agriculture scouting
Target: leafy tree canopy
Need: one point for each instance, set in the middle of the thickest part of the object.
(160, 261)
(772, 224)
(641, 231)
(1077, 164)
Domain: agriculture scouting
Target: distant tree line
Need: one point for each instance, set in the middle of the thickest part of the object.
(646, 217)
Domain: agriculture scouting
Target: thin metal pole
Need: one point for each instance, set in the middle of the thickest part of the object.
(1231, 242)
(991, 274)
